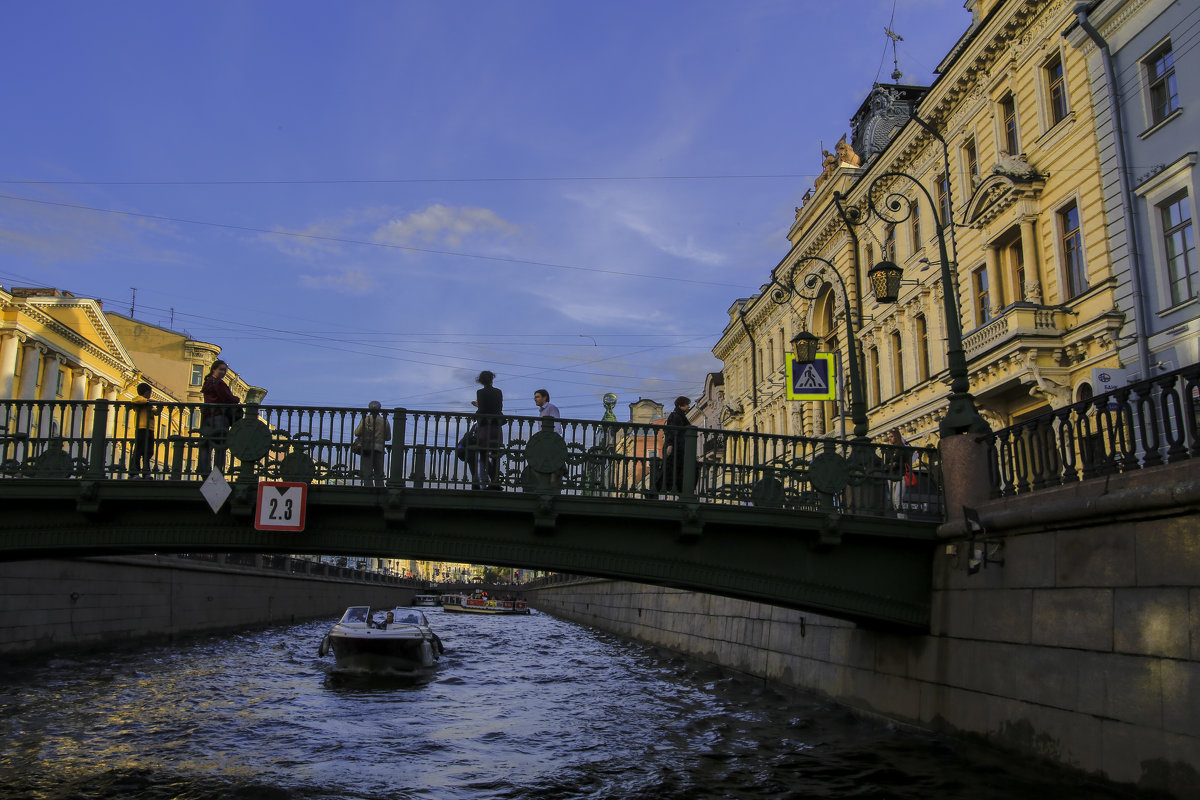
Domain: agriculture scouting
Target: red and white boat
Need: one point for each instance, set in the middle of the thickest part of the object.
(481, 604)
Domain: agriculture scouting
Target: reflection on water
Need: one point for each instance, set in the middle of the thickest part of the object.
(519, 707)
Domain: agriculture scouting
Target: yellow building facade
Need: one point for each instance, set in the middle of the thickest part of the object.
(1020, 178)
(58, 350)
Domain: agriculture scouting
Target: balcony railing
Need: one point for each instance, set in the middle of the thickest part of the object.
(96, 441)
(1015, 322)
(1142, 425)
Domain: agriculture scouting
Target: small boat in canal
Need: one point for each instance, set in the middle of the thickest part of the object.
(481, 604)
(400, 642)
(427, 600)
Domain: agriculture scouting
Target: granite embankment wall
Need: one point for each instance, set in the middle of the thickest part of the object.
(56, 606)
(1083, 647)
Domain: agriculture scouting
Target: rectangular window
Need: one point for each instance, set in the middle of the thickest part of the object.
(914, 222)
(58, 387)
(870, 257)
(979, 289)
(897, 363)
(889, 243)
(1071, 241)
(1180, 245)
(1008, 124)
(971, 157)
(197, 374)
(1056, 87)
(943, 198)
(922, 349)
(1160, 75)
(873, 389)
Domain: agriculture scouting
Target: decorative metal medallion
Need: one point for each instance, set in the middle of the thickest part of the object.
(54, 464)
(297, 468)
(249, 439)
(767, 493)
(546, 452)
(828, 473)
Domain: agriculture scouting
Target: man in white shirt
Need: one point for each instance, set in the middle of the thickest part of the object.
(547, 409)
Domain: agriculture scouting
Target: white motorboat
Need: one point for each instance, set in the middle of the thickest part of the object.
(398, 642)
(424, 600)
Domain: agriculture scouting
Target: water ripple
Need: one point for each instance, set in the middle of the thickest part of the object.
(520, 708)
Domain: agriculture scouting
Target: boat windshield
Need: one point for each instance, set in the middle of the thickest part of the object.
(409, 617)
(356, 614)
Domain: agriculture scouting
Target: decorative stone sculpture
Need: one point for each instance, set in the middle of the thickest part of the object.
(846, 157)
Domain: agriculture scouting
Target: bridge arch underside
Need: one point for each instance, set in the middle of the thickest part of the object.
(869, 570)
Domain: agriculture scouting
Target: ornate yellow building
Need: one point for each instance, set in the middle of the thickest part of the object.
(1019, 176)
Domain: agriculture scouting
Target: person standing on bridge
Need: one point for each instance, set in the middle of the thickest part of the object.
(372, 435)
(216, 415)
(489, 411)
(673, 450)
(145, 418)
(547, 410)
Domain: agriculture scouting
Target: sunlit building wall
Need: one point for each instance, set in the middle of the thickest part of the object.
(1029, 245)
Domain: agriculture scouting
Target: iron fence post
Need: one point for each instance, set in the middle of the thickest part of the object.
(99, 447)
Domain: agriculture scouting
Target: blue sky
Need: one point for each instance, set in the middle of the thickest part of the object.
(376, 200)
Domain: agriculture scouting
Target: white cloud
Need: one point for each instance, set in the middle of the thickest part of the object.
(345, 281)
(444, 225)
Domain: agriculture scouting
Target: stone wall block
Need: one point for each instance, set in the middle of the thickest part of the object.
(1194, 624)
(1079, 618)
(1048, 732)
(1181, 697)
(1152, 622)
(1168, 552)
(1029, 561)
(1095, 557)
(1124, 688)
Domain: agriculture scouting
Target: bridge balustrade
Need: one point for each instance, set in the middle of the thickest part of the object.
(1144, 424)
(432, 450)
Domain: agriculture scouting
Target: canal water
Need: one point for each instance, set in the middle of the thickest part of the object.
(520, 707)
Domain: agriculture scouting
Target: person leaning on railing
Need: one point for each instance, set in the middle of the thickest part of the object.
(372, 435)
(143, 433)
(216, 415)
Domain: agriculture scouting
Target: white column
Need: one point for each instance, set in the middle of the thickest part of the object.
(78, 412)
(50, 422)
(9, 345)
(31, 367)
(1029, 254)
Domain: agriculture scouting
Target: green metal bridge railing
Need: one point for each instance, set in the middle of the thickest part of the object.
(95, 440)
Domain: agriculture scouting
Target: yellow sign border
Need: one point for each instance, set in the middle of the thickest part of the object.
(831, 394)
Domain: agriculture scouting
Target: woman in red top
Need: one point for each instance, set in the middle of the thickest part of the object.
(216, 415)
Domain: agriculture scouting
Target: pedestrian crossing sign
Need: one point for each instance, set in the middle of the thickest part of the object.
(811, 380)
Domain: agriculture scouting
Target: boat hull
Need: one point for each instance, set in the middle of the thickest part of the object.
(477, 605)
(380, 653)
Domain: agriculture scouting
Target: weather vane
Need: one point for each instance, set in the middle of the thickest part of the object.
(895, 37)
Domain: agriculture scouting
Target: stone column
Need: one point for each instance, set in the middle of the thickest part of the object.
(49, 423)
(78, 412)
(995, 282)
(10, 343)
(1029, 254)
(31, 368)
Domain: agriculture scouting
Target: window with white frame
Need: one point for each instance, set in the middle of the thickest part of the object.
(1070, 241)
(897, 363)
(1056, 90)
(914, 227)
(979, 291)
(197, 374)
(1009, 135)
(970, 154)
(1160, 83)
(1171, 238)
(1179, 245)
(922, 331)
